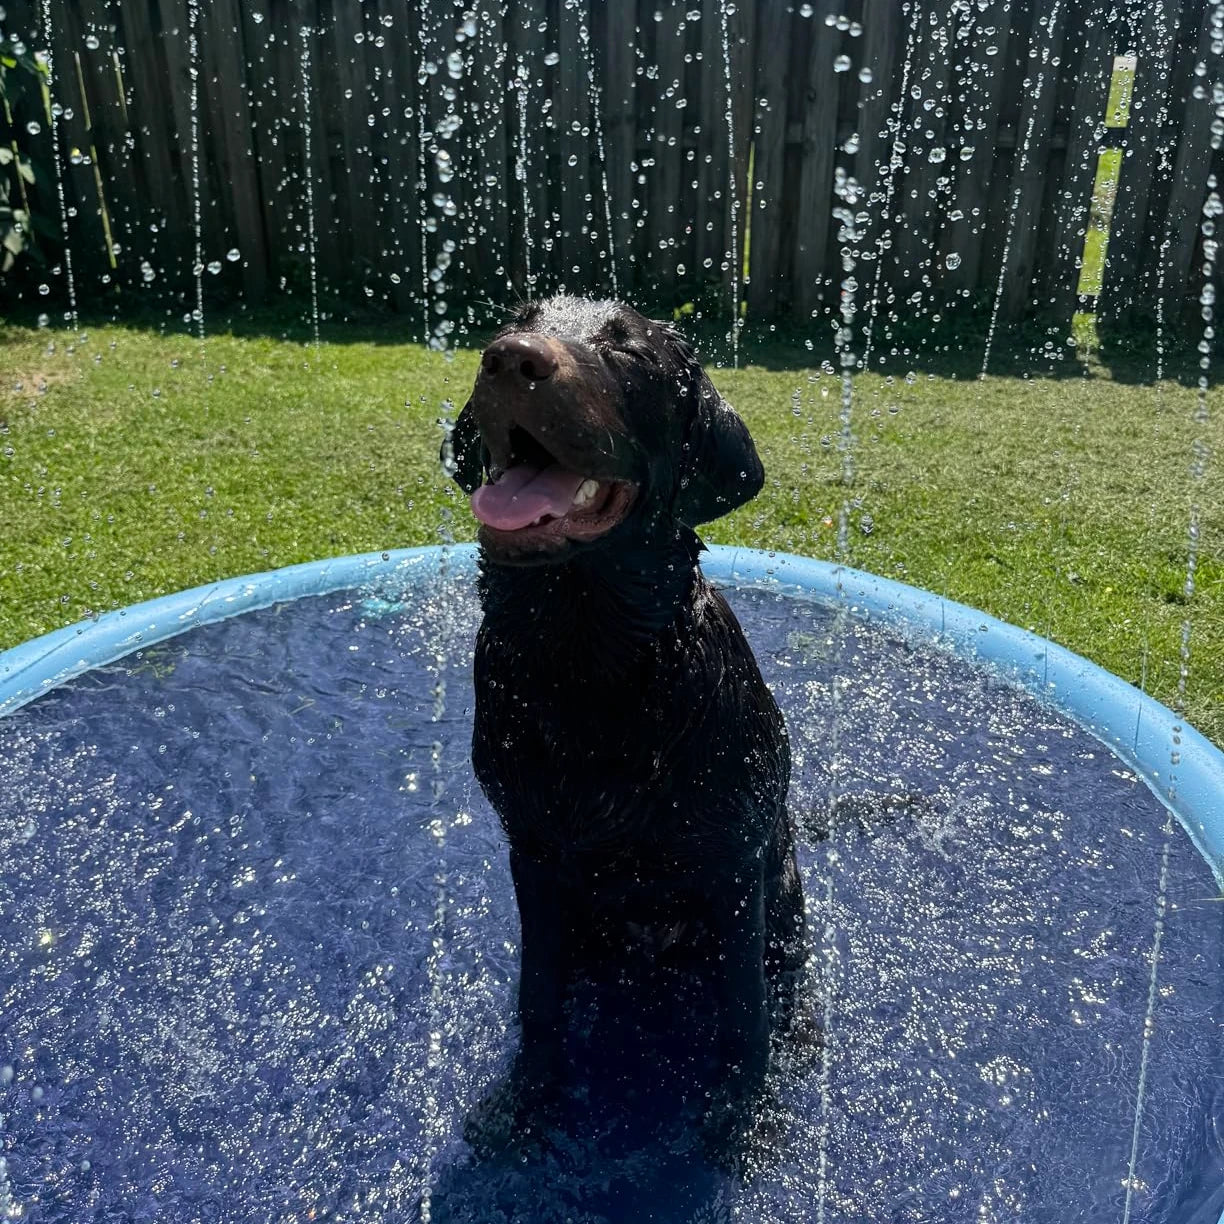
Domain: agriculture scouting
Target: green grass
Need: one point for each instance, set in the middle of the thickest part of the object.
(1096, 239)
(1121, 91)
(129, 468)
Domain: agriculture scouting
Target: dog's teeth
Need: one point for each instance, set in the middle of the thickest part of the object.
(586, 490)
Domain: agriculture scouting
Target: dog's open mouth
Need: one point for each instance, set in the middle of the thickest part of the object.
(536, 496)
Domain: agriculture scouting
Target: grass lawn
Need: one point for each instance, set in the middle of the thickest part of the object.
(131, 466)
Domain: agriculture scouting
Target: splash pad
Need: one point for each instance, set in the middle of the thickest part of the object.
(260, 938)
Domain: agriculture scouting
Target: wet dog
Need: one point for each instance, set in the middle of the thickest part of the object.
(623, 732)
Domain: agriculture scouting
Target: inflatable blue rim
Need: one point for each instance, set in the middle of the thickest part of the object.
(1181, 767)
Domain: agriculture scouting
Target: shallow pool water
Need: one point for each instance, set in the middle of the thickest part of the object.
(258, 946)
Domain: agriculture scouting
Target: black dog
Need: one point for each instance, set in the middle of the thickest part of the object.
(623, 732)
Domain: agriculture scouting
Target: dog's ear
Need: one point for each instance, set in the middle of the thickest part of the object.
(720, 469)
(462, 449)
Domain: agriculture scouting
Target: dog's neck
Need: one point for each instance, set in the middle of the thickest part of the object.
(603, 603)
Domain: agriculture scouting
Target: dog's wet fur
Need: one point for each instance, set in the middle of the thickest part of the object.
(623, 732)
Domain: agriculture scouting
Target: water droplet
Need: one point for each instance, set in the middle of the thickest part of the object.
(953, 260)
(938, 154)
(215, 267)
(806, 10)
(91, 41)
(865, 75)
(454, 65)
(841, 64)
(552, 58)
(257, 18)
(33, 127)
(233, 255)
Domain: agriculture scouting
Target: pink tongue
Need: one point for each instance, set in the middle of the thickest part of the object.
(523, 494)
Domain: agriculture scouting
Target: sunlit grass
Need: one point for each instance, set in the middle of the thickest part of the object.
(1058, 504)
(1096, 240)
(1121, 91)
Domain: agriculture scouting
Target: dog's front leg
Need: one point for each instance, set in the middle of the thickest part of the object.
(516, 1112)
(546, 932)
(739, 968)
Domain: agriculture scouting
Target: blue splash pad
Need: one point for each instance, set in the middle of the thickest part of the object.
(257, 942)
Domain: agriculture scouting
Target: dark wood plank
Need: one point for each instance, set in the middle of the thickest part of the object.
(311, 89)
(741, 27)
(713, 157)
(666, 217)
(162, 182)
(576, 146)
(270, 81)
(620, 133)
(87, 233)
(1032, 162)
(111, 140)
(923, 203)
(815, 201)
(232, 140)
(1123, 284)
(347, 84)
(965, 230)
(1072, 204)
(533, 41)
(884, 41)
(494, 118)
(769, 147)
(1180, 228)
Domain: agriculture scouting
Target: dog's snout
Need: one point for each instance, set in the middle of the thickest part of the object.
(526, 357)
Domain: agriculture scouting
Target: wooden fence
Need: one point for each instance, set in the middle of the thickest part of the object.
(428, 154)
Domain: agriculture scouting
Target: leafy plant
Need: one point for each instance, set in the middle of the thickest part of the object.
(21, 73)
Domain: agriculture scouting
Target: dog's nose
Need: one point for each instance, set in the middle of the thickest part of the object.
(528, 357)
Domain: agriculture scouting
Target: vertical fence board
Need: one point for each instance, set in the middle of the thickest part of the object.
(161, 186)
(815, 200)
(86, 232)
(619, 109)
(710, 223)
(115, 165)
(926, 180)
(576, 148)
(1181, 223)
(1032, 158)
(884, 44)
(769, 148)
(494, 165)
(665, 219)
(270, 100)
(741, 27)
(1124, 258)
(965, 230)
(1073, 202)
(226, 59)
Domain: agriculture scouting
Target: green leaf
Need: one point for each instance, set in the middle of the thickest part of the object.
(26, 171)
(6, 156)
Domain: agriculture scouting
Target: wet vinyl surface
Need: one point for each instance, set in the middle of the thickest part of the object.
(258, 947)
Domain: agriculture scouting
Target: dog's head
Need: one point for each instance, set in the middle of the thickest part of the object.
(589, 422)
